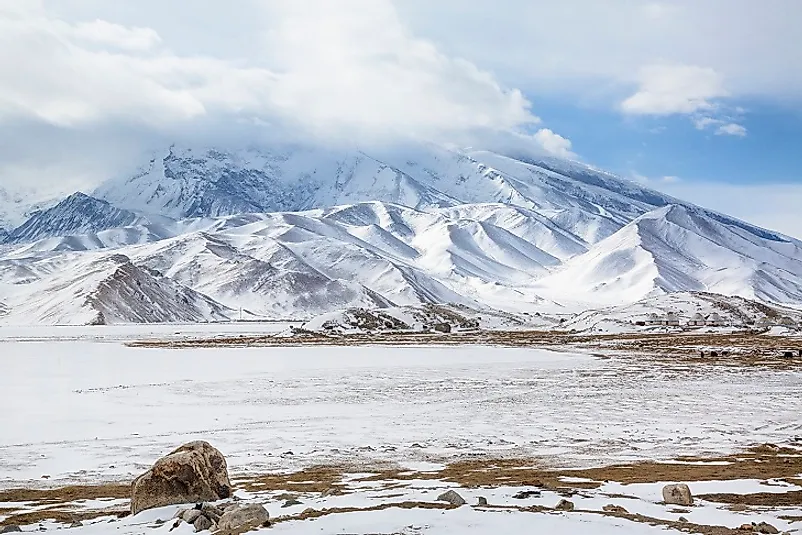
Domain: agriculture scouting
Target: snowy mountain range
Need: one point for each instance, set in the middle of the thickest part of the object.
(294, 231)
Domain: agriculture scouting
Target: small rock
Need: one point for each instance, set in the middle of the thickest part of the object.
(526, 494)
(738, 507)
(565, 505)
(202, 523)
(678, 494)
(764, 527)
(208, 508)
(244, 517)
(682, 519)
(309, 511)
(10, 529)
(451, 497)
(610, 508)
(77, 524)
(482, 501)
(290, 503)
(190, 515)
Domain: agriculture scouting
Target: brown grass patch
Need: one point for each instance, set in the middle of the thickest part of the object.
(326, 479)
(61, 516)
(769, 499)
(67, 494)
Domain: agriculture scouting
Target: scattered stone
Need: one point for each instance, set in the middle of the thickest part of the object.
(11, 528)
(738, 507)
(452, 497)
(611, 508)
(482, 501)
(77, 524)
(764, 527)
(195, 472)
(565, 505)
(678, 494)
(442, 327)
(526, 494)
(309, 511)
(682, 519)
(244, 517)
(291, 503)
(202, 523)
(190, 515)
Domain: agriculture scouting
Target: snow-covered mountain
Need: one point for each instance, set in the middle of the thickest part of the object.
(77, 214)
(291, 231)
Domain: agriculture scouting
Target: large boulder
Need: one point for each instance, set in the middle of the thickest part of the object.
(678, 494)
(195, 472)
(242, 518)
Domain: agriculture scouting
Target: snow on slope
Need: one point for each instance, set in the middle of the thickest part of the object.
(375, 255)
(77, 214)
(680, 248)
(735, 312)
(93, 288)
(367, 255)
(209, 182)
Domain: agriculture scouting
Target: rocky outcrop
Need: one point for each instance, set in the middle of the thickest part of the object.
(678, 494)
(452, 497)
(195, 472)
(242, 518)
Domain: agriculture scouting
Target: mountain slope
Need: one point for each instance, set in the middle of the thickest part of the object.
(680, 248)
(77, 214)
(96, 289)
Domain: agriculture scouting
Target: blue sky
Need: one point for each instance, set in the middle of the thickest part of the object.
(657, 147)
(708, 93)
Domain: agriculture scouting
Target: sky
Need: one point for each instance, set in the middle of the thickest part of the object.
(702, 100)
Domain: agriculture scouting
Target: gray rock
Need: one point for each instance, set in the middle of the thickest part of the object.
(611, 508)
(565, 505)
(10, 529)
(202, 523)
(482, 501)
(526, 494)
(211, 509)
(678, 494)
(77, 524)
(682, 519)
(290, 503)
(451, 497)
(764, 527)
(195, 472)
(190, 515)
(244, 517)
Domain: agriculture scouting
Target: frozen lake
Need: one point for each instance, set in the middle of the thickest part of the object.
(87, 407)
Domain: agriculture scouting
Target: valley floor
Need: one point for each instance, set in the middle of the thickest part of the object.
(368, 436)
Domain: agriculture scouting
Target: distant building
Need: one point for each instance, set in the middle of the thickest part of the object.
(697, 320)
(672, 319)
(714, 320)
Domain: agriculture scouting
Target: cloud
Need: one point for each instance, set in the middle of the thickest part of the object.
(363, 74)
(731, 129)
(643, 179)
(554, 144)
(674, 89)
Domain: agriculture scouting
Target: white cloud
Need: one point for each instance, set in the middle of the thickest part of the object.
(362, 74)
(731, 129)
(116, 35)
(674, 89)
(554, 144)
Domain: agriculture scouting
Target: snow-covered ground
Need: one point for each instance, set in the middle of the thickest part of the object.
(83, 409)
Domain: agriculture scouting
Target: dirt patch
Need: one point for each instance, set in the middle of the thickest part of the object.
(735, 349)
(67, 494)
(317, 513)
(761, 462)
(769, 499)
(323, 479)
(61, 516)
